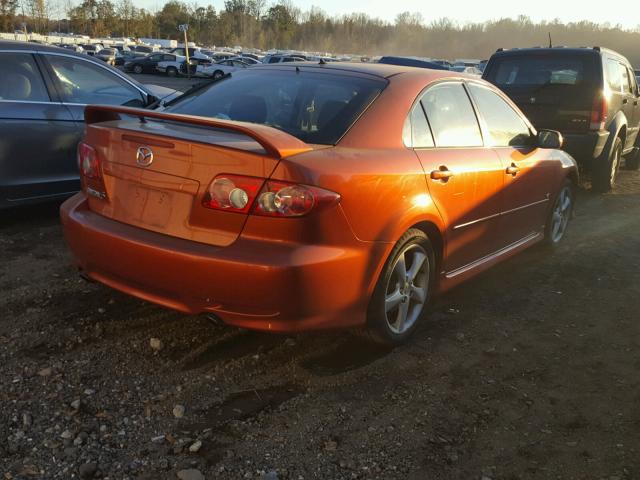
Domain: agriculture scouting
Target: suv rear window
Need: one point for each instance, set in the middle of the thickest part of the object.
(314, 107)
(566, 69)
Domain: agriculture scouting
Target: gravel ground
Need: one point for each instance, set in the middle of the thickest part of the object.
(529, 371)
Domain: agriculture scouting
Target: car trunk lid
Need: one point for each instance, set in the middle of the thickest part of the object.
(156, 168)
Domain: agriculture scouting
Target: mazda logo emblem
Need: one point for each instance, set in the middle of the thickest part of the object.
(144, 156)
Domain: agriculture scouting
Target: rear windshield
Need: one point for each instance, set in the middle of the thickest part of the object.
(515, 70)
(314, 107)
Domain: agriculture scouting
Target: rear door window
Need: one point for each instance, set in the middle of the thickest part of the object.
(451, 116)
(20, 79)
(416, 132)
(506, 127)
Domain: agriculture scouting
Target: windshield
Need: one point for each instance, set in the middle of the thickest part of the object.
(522, 70)
(314, 107)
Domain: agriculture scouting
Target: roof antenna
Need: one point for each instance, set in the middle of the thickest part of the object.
(550, 44)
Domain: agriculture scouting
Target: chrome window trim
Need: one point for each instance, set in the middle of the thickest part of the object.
(38, 102)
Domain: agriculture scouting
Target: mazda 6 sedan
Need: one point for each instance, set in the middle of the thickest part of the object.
(298, 197)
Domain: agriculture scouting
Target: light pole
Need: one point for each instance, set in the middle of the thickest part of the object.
(183, 28)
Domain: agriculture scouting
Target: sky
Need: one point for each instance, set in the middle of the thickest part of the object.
(463, 10)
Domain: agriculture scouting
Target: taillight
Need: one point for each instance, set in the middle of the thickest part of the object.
(240, 194)
(599, 112)
(88, 162)
(233, 193)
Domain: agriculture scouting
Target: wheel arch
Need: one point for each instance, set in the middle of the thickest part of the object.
(433, 232)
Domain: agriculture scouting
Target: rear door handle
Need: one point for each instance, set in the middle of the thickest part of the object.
(443, 174)
(512, 170)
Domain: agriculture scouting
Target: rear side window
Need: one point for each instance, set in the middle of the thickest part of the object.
(416, 132)
(541, 69)
(506, 126)
(20, 79)
(451, 116)
(314, 107)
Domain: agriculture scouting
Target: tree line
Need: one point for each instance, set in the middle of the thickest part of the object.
(282, 25)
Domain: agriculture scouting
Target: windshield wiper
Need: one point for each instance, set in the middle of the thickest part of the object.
(197, 87)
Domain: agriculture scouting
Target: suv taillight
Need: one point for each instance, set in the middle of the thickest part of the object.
(599, 113)
(240, 194)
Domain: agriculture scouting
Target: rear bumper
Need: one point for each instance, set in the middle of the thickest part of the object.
(253, 283)
(585, 147)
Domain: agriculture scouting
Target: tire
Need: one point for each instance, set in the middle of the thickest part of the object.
(218, 74)
(560, 214)
(632, 161)
(402, 294)
(138, 69)
(172, 72)
(605, 172)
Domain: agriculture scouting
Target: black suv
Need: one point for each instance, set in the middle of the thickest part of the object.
(589, 94)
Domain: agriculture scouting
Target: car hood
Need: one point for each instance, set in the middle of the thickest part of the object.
(162, 93)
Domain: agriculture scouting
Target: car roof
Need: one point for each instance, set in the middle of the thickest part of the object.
(572, 50)
(379, 70)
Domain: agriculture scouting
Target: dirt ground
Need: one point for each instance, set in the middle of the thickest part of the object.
(530, 371)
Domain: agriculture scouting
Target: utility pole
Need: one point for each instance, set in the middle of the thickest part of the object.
(183, 28)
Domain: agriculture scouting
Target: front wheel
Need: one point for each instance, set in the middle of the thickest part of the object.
(558, 220)
(403, 290)
(217, 74)
(137, 69)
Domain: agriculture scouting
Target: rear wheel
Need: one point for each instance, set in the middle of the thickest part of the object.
(605, 171)
(560, 214)
(172, 72)
(218, 74)
(403, 290)
(137, 69)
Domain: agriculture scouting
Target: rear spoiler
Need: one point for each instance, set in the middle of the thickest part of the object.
(276, 143)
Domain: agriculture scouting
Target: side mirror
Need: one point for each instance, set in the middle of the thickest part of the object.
(550, 139)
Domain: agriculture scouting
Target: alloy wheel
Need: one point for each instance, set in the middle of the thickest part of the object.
(407, 290)
(561, 214)
(615, 164)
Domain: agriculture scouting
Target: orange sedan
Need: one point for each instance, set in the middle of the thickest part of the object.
(297, 197)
